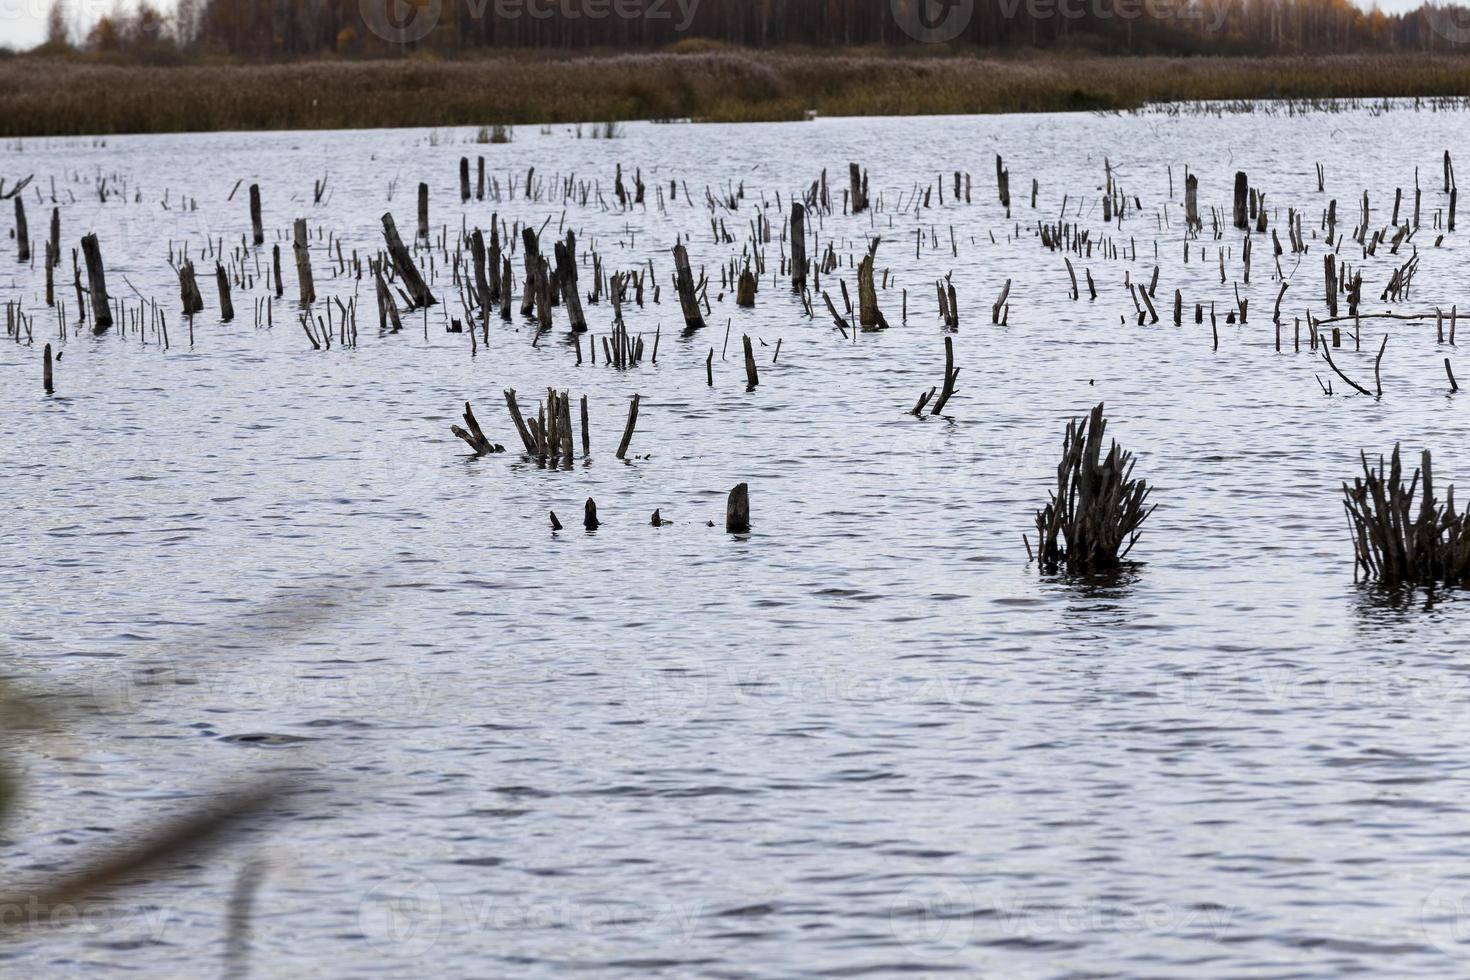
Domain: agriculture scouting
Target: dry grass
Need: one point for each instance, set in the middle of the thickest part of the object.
(43, 96)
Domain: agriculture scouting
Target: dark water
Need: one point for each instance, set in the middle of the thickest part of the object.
(867, 739)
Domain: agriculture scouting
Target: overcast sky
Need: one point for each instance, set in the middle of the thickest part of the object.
(23, 22)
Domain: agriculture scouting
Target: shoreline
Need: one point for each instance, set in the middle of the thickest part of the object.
(78, 97)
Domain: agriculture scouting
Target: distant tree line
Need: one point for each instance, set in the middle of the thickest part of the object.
(272, 29)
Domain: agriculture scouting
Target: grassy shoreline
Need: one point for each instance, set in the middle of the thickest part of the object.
(69, 97)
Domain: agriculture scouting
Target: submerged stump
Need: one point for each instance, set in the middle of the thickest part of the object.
(1095, 513)
(1401, 540)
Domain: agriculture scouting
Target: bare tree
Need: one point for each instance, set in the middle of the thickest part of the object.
(58, 26)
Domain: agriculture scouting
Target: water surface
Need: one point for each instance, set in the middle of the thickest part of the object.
(867, 739)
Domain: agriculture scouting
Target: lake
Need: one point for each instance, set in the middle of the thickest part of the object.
(868, 738)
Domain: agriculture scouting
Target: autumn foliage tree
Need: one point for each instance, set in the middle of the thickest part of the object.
(271, 29)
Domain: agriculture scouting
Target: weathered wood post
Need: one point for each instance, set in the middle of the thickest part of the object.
(586, 431)
(1329, 270)
(493, 261)
(97, 284)
(257, 230)
(222, 280)
(189, 296)
(46, 370)
(628, 429)
(301, 244)
(424, 212)
(1002, 184)
(464, 179)
(951, 375)
(387, 306)
(482, 285)
(531, 254)
(684, 283)
(798, 246)
(505, 280)
(276, 270)
(869, 315)
(1242, 195)
(418, 290)
(566, 273)
(22, 233)
(1191, 203)
(859, 181)
(737, 510)
(745, 289)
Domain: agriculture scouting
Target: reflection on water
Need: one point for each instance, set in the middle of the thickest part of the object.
(867, 739)
(1399, 607)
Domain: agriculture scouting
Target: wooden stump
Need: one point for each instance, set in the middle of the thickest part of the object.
(301, 245)
(684, 282)
(859, 185)
(257, 230)
(628, 429)
(189, 296)
(22, 233)
(418, 290)
(737, 510)
(1242, 196)
(798, 246)
(222, 281)
(869, 315)
(745, 289)
(97, 285)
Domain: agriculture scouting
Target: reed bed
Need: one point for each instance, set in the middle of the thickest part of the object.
(1398, 541)
(76, 96)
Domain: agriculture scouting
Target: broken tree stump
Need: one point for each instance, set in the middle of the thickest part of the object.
(1242, 198)
(97, 285)
(418, 290)
(628, 429)
(475, 438)
(745, 289)
(222, 281)
(869, 315)
(1096, 511)
(684, 283)
(737, 510)
(859, 182)
(566, 275)
(798, 246)
(257, 230)
(951, 375)
(301, 244)
(189, 289)
(22, 233)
